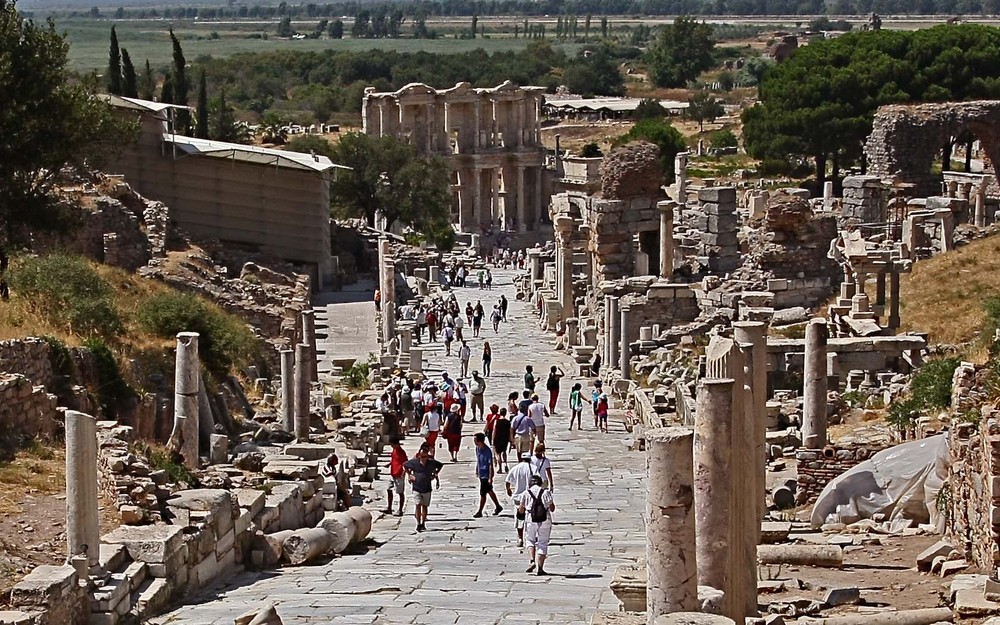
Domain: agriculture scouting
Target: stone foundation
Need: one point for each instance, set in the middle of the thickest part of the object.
(26, 410)
(818, 467)
(972, 493)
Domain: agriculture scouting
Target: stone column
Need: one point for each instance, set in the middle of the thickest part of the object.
(520, 199)
(389, 301)
(625, 352)
(827, 193)
(666, 239)
(814, 393)
(713, 477)
(288, 389)
(672, 573)
(83, 533)
(892, 320)
(478, 130)
(755, 333)
(309, 338)
(534, 267)
(302, 393)
(612, 335)
(539, 200)
(680, 176)
(564, 231)
(880, 288)
(477, 199)
(434, 274)
(187, 380)
(494, 197)
(979, 214)
(405, 334)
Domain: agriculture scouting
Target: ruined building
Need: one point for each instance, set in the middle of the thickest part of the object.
(490, 137)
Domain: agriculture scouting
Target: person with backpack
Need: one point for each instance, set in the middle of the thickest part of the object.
(397, 474)
(517, 483)
(552, 386)
(537, 505)
(449, 336)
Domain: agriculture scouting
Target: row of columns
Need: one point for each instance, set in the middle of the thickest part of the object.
(499, 204)
(705, 492)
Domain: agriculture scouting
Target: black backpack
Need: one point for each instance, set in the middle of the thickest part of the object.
(539, 513)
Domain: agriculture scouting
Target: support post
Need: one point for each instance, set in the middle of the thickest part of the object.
(288, 389)
(672, 573)
(301, 393)
(82, 521)
(814, 393)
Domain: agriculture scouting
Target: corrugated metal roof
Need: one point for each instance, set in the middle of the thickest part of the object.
(251, 154)
(136, 104)
(608, 104)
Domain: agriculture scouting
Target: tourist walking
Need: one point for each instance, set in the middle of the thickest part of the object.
(477, 319)
(602, 412)
(595, 396)
(432, 425)
(501, 439)
(503, 306)
(469, 310)
(477, 388)
(537, 413)
(576, 406)
(459, 324)
(489, 280)
(464, 354)
(453, 430)
(529, 378)
(537, 504)
(422, 471)
(524, 431)
(540, 465)
(449, 336)
(396, 476)
(487, 358)
(484, 470)
(421, 322)
(432, 320)
(495, 317)
(512, 404)
(517, 483)
(552, 386)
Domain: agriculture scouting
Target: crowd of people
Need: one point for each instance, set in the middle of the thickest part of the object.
(443, 407)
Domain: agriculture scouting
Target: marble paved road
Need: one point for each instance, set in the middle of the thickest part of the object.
(345, 324)
(465, 570)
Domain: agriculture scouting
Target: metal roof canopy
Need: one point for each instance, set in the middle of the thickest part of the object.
(191, 146)
(609, 104)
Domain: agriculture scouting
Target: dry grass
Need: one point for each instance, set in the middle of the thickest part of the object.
(39, 468)
(944, 294)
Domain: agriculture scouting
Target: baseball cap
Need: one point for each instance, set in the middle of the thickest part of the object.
(526, 455)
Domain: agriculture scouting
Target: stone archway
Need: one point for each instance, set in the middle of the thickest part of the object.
(906, 139)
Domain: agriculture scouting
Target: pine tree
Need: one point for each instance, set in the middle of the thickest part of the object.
(114, 66)
(559, 27)
(180, 85)
(586, 28)
(147, 92)
(223, 120)
(604, 27)
(475, 22)
(130, 85)
(201, 128)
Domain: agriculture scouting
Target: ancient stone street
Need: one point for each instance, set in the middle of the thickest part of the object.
(465, 570)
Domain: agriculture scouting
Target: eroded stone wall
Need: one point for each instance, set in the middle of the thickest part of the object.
(818, 467)
(972, 495)
(26, 410)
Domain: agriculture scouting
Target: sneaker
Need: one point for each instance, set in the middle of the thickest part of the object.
(399, 512)
(387, 511)
(520, 542)
(530, 568)
(477, 515)
(541, 572)
(420, 527)
(498, 510)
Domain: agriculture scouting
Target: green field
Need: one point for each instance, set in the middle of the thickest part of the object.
(148, 39)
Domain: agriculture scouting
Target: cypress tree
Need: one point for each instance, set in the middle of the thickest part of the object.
(167, 90)
(201, 127)
(148, 83)
(180, 85)
(130, 85)
(114, 66)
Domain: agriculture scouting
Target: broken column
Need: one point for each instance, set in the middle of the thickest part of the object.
(564, 227)
(680, 176)
(612, 335)
(309, 338)
(814, 391)
(187, 380)
(302, 393)
(754, 333)
(625, 353)
(666, 239)
(287, 389)
(713, 477)
(672, 574)
(82, 521)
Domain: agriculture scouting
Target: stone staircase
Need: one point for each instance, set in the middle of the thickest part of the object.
(129, 593)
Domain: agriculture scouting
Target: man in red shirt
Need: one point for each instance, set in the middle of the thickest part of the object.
(397, 474)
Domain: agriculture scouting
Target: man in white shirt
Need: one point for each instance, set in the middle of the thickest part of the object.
(538, 505)
(477, 388)
(542, 466)
(537, 412)
(464, 354)
(518, 480)
(459, 324)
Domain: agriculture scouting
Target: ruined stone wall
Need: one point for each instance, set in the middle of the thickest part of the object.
(28, 357)
(973, 491)
(717, 221)
(817, 467)
(26, 410)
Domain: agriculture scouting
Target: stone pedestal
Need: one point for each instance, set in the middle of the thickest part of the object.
(713, 478)
(82, 521)
(302, 393)
(572, 331)
(758, 206)
(416, 360)
(814, 393)
(287, 389)
(187, 380)
(666, 238)
(434, 274)
(672, 583)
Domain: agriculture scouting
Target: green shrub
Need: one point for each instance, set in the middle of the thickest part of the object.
(724, 139)
(68, 292)
(161, 459)
(223, 340)
(931, 384)
(112, 388)
(356, 376)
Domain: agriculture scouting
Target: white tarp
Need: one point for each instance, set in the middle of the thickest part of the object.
(900, 483)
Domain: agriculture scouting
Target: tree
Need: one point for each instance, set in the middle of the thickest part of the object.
(285, 27)
(594, 74)
(591, 150)
(130, 84)
(223, 125)
(201, 127)
(586, 28)
(180, 85)
(148, 84)
(604, 26)
(660, 133)
(703, 107)
(649, 108)
(49, 121)
(386, 175)
(682, 52)
(337, 29)
(114, 65)
(475, 22)
(167, 90)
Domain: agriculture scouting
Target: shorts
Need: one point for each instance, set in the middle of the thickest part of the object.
(477, 402)
(485, 487)
(537, 535)
(522, 442)
(519, 520)
(397, 484)
(423, 499)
